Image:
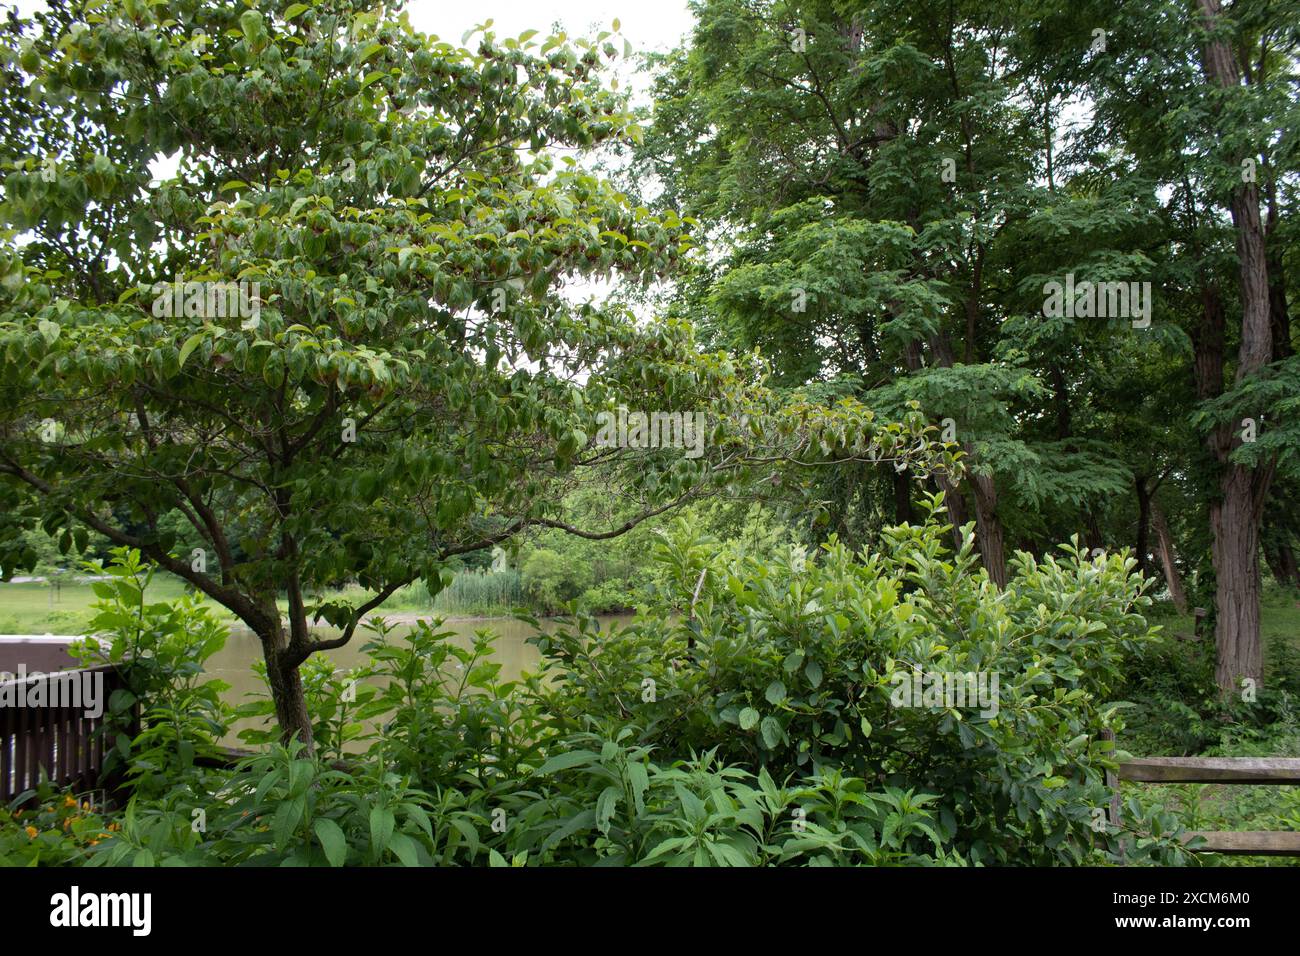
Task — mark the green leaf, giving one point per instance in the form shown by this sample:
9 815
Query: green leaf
640 780
771 731
381 828
295 10
775 692
190 345
332 840
570 826
813 671
567 760
748 718
606 804
250 24
403 848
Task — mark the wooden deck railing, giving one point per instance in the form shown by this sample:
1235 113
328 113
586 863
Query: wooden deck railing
1252 771
61 740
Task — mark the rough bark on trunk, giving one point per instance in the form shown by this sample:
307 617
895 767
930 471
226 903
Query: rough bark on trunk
1168 558
1235 518
1236 569
988 527
285 682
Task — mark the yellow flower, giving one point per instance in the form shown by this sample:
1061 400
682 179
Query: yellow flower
69 801
31 832
86 806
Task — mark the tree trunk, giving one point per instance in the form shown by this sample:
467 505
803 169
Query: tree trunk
902 498
1093 539
286 691
1144 523
955 502
1290 576
1236 569
1235 519
1165 542
952 496
988 525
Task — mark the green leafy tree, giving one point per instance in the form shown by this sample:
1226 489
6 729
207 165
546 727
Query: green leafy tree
341 339
886 218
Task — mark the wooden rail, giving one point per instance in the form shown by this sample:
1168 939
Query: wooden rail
1249 771
56 735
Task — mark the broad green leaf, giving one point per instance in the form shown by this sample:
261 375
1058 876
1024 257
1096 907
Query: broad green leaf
332 840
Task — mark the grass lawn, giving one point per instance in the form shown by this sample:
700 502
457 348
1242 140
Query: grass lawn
39 608
36 608
1279 622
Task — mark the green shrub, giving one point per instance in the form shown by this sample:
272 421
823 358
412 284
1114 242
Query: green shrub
795 666
282 808
56 827
753 719
161 648
335 700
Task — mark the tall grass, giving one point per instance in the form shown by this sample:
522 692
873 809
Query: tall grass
473 593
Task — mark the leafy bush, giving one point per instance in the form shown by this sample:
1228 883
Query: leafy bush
754 719
58 829
794 667
553 580
161 648
283 808
335 701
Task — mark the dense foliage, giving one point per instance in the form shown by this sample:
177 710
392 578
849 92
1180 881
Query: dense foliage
763 727
298 308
